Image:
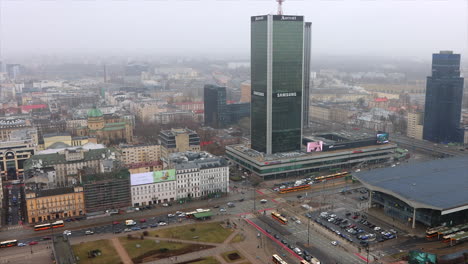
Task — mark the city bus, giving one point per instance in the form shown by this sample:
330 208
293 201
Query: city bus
295 188
277 216
8 243
277 260
331 176
57 224
42 227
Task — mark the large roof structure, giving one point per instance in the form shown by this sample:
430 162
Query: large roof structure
439 184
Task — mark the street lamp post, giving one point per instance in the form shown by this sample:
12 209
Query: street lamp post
308 230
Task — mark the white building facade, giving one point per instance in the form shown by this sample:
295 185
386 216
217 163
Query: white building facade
197 175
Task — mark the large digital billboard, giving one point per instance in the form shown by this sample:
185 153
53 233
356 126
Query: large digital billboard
382 138
152 177
314 146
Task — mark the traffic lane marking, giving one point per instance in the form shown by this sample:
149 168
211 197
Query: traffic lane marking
274 239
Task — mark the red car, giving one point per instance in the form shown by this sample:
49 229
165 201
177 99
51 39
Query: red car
33 243
115 223
355 216
142 220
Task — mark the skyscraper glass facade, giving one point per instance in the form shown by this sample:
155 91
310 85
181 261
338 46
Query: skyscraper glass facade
277 52
444 92
215 106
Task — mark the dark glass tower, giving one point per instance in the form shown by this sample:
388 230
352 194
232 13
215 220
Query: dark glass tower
444 92
277 54
215 106
306 94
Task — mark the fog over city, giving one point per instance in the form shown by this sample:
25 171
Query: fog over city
183 28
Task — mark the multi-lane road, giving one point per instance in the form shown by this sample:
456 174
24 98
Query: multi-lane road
319 244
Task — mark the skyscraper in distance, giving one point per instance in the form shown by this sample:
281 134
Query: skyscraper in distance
277 68
215 106
444 92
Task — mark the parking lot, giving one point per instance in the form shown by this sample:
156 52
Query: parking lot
354 226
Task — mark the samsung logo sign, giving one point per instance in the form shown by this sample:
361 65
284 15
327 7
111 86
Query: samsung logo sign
286 94
288 18
258 93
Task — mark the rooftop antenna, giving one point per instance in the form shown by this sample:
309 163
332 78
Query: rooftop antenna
280 6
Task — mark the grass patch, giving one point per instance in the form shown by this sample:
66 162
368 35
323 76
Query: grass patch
109 255
207 260
235 178
203 232
150 250
237 238
232 256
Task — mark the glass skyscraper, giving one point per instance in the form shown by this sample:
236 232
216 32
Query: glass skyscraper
444 92
215 106
277 68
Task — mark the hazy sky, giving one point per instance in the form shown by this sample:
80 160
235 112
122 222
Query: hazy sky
351 27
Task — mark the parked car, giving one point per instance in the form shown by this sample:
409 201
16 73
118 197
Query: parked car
136 228
32 243
334 243
67 232
222 210
127 230
162 223
143 220
89 232
115 222
153 225
170 215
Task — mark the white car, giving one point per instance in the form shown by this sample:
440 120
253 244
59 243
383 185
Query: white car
89 232
67 232
377 228
331 219
263 200
21 245
222 210
127 230
298 222
334 243
165 205
162 223
170 215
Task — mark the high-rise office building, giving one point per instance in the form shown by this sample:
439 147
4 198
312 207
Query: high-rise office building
215 106
305 96
444 92
277 68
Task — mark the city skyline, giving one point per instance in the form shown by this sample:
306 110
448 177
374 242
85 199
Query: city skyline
390 28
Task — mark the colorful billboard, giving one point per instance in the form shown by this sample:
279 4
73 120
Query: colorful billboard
152 177
382 138
315 146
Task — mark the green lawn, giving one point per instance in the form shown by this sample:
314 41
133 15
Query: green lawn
225 256
109 255
237 238
150 249
147 245
203 232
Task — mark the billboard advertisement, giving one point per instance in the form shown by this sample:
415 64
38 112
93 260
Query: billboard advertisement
152 177
382 138
315 146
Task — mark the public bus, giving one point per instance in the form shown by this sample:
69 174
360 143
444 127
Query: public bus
42 227
277 216
57 224
8 243
192 214
277 260
295 188
331 176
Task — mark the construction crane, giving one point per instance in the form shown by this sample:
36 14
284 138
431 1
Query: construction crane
280 6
